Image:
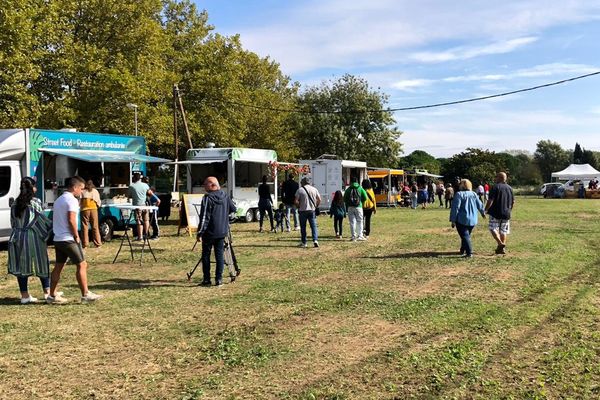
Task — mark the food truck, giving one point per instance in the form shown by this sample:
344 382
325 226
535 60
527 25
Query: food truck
51 156
239 172
387 185
328 175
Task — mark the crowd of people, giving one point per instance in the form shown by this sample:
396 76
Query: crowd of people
358 203
28 255
302 201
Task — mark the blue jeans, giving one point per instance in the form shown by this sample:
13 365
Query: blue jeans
464 231
312 220
207 245
291 209
23 283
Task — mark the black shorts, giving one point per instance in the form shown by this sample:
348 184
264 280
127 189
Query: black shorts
68 250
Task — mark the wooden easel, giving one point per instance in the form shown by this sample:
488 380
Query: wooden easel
188 216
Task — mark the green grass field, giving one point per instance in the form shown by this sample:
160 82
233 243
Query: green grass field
400 316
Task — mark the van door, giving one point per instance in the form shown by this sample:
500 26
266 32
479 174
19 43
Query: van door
319 173
9 190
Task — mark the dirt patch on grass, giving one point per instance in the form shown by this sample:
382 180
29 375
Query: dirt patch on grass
439 280
324 345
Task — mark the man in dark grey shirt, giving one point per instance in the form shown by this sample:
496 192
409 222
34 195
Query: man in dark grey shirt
499 207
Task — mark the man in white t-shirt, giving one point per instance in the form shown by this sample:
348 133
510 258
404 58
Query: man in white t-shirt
308 199
67 243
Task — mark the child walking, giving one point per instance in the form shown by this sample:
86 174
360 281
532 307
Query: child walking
337 211
279 217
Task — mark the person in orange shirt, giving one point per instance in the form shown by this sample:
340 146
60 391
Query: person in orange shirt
90 202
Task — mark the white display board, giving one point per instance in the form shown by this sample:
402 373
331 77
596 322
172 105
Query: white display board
192 203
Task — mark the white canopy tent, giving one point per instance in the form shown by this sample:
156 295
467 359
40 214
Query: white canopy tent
577 171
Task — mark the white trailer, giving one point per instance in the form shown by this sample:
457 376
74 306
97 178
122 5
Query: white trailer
329 175
239 171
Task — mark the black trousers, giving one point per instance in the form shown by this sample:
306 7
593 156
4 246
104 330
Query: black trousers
338 224
265 207
367 221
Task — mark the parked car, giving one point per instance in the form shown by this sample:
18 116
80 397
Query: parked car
547 189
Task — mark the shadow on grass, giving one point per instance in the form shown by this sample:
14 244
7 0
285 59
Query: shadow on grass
10 301
133 284
420 254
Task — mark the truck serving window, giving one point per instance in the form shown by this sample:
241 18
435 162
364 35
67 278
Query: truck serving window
5 177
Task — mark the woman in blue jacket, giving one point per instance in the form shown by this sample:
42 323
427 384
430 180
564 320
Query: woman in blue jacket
463 215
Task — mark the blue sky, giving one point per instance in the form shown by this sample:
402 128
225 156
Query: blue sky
431 51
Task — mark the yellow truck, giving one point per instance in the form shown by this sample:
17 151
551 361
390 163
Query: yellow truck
387 185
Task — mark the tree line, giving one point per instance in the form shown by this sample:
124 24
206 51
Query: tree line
523 167
77 64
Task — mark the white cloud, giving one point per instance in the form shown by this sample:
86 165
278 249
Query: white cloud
410 84
341 34
465 53
545 70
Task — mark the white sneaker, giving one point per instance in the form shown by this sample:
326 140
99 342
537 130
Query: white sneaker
57 293
56 300
352 239
90 297
302 245
316 244
29 300
297 228
288 230
361 238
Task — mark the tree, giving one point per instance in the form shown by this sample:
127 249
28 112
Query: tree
521 168
475 164
229 94
72 63
421 159
578 154
550 157
347 118
589 158
23 28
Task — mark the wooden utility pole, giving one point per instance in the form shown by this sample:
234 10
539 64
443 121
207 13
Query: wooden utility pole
176 140
184 119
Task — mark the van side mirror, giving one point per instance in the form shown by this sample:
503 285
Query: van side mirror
11 201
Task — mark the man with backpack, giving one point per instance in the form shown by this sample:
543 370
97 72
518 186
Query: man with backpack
354 197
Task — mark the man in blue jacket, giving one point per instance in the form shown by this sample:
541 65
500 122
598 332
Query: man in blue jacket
213 227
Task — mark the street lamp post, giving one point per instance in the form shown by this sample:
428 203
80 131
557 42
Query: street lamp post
135 108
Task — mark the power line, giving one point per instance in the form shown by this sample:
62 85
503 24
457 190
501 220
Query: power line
300 111
496 95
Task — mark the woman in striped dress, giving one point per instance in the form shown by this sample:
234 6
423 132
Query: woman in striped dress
27 251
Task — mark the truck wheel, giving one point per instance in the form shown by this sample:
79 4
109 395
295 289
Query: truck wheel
249 216
107 228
